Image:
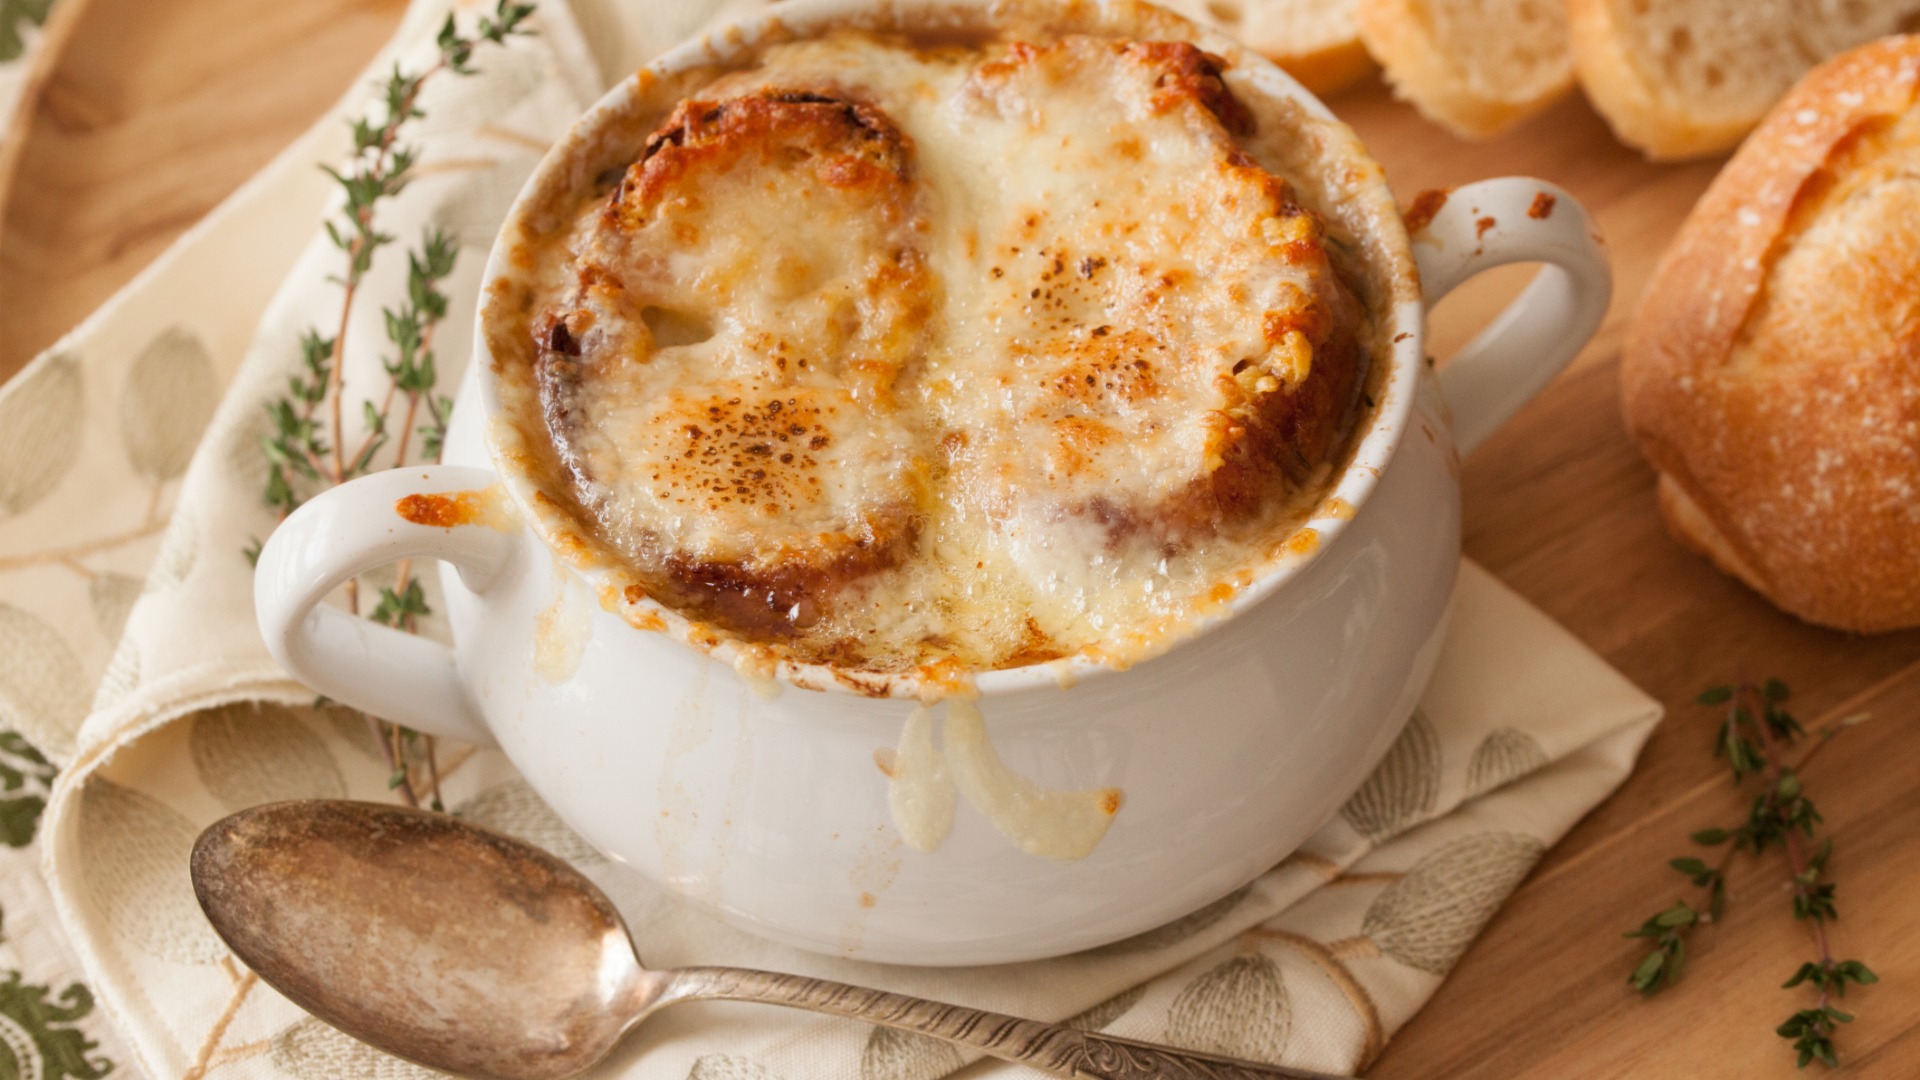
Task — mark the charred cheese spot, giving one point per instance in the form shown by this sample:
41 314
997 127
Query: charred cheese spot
1182 74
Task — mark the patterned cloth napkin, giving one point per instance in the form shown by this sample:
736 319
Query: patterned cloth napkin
50 1025
130 479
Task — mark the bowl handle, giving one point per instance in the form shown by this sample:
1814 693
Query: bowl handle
348 530
1512 220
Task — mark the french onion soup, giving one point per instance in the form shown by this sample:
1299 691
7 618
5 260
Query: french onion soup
901 355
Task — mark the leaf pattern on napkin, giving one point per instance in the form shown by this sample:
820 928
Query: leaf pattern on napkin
39 675
40 430
40 1037
169 396
134 852
36 1039
25 778
1180 929
1429 917
1098 1017
514 809
1506 755
902 1055
729 1067
312 1050
350 727
250 753
1239 1008
1403 787
243 463
179 548
112 596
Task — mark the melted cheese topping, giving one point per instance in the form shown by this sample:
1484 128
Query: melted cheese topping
561 631
885 356
920 792
923 781
1061 825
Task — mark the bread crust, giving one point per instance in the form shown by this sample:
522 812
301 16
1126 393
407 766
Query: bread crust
1424 72
1323 71
1314 40
1631 103
1788 450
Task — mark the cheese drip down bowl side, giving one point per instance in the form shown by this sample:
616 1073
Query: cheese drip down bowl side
1058 806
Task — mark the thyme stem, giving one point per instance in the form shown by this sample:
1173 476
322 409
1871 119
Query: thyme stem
303 451
1796 857
1754 737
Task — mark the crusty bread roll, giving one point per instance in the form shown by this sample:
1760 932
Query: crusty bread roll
1315 40
1772 372
1684 78
1474 66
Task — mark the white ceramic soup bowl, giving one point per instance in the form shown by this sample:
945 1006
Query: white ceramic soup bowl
763 798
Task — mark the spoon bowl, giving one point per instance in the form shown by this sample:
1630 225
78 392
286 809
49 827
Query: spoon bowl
473 953
432 939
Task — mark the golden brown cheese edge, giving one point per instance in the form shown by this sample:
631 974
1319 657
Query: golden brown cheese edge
1322 158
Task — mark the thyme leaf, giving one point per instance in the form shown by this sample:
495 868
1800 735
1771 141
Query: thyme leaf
306 446
1754 736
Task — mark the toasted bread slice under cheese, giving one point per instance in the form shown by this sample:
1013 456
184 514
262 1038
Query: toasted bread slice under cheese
887 354
751 290
1153 375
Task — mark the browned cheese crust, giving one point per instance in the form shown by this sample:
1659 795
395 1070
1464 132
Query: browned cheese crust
752 449
1772 372
1101 384
788 361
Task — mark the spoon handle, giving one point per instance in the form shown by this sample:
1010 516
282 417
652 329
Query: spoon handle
1051 1048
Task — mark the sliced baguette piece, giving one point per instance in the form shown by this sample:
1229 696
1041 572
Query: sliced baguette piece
1315 40
1688 78
1474 66
1772 370
1827 28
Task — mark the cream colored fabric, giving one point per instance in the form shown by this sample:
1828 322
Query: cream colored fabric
129 485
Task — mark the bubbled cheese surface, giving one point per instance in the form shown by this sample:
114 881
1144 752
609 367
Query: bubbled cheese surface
884 355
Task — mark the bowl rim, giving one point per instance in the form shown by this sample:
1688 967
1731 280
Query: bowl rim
1369 455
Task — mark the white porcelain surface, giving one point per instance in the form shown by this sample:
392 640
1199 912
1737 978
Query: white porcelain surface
1230 749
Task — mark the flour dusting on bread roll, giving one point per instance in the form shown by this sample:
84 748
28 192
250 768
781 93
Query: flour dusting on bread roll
1772 373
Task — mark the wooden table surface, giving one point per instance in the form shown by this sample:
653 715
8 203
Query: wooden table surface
153 112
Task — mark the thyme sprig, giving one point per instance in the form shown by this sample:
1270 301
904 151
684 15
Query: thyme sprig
1754 736
306 445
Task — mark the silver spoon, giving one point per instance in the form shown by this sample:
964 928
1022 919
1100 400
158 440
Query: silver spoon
470 952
